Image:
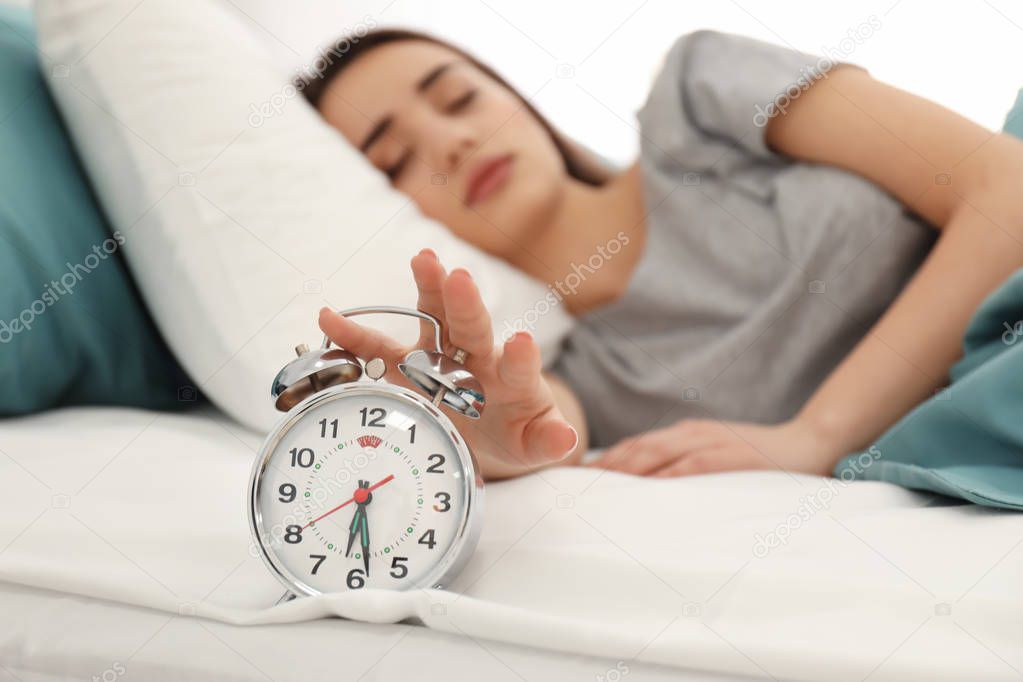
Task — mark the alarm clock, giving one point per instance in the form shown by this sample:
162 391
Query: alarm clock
363 483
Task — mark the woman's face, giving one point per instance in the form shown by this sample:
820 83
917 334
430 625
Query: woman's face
459 143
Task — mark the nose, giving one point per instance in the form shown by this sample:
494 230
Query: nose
459 150
450 143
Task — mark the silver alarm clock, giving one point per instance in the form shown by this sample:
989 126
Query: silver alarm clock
365 483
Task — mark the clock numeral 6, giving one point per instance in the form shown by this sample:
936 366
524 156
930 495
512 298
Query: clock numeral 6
398 567
356 579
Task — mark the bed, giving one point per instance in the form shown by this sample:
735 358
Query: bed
124 545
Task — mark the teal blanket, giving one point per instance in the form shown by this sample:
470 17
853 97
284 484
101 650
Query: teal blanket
967 440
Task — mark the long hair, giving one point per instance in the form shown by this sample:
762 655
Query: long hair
579 163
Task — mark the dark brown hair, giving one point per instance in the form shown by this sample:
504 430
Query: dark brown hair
579 163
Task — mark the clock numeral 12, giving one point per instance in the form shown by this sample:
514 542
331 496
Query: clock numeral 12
377 420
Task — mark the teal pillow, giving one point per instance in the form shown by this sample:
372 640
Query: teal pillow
73 329
1014 119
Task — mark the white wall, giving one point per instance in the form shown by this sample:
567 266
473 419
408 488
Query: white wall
965 55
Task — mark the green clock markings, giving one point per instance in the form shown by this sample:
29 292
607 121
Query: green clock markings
325 460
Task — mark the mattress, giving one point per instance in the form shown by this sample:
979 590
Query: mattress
124 549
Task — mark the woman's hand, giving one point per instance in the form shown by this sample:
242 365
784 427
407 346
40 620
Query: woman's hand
521 427
696 446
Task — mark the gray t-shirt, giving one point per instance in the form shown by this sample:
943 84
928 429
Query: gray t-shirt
759 273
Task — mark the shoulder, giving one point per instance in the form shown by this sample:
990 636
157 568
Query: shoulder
721 88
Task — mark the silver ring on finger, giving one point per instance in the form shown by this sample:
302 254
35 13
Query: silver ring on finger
459 356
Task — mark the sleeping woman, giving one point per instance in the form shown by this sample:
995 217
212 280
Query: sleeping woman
786 269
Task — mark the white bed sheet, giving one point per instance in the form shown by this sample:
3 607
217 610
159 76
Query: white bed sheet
148 510
49 636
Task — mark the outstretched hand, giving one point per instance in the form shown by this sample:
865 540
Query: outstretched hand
701 446
521 426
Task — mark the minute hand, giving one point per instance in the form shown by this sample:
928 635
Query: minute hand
364 535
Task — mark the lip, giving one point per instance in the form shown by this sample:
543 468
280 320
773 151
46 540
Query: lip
487 177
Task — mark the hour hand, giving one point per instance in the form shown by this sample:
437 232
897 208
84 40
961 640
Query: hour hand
354 528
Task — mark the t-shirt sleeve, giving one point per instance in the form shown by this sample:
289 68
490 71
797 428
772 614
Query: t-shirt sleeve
719 90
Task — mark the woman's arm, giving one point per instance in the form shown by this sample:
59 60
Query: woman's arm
962 179
965 181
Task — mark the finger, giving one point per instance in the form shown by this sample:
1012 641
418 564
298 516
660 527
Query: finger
429 275
644 458
659 448
519 366
469 325
690 464
549 438
638 454
615 452
364 342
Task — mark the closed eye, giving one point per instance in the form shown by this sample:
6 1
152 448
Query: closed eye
395 169
461 103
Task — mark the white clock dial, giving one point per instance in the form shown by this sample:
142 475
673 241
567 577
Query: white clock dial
365 486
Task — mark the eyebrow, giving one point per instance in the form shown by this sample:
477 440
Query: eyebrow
422 85
435 73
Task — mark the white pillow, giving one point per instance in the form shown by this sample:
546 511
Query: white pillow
239 227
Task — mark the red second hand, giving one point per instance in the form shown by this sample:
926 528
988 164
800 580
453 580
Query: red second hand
348 501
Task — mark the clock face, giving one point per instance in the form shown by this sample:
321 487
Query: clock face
365 486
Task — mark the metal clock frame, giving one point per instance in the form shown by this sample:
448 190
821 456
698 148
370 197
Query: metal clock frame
469 528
